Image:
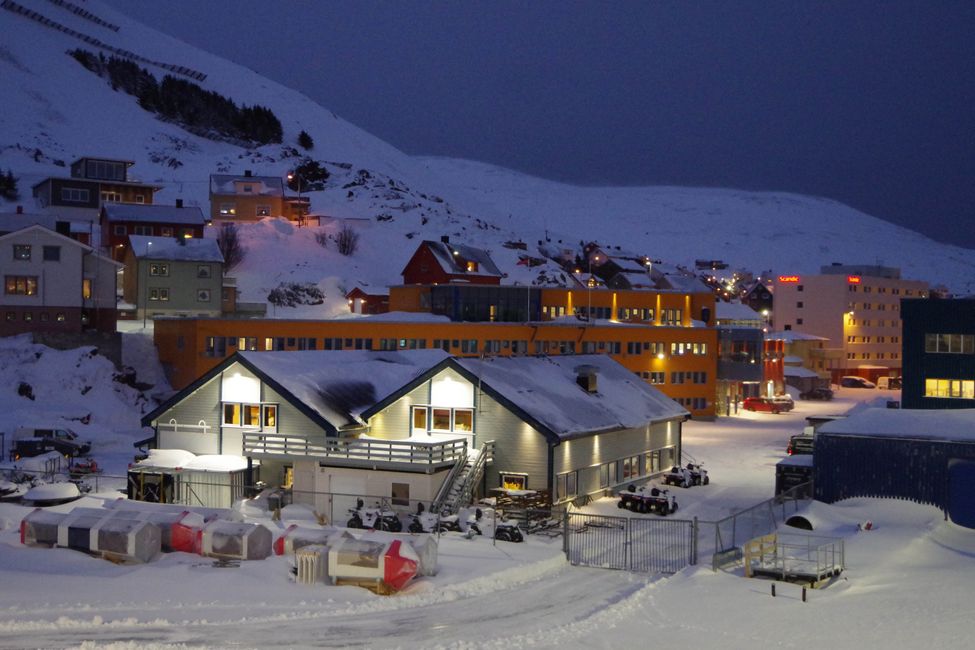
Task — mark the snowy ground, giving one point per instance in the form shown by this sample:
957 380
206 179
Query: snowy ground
906 584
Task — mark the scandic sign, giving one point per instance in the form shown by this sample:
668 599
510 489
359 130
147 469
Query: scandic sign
853 279
788 279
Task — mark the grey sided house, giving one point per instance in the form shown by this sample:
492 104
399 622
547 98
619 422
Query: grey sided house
422 426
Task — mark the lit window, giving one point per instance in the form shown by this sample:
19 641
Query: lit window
463 420
231 414
86 288
20 285
441 419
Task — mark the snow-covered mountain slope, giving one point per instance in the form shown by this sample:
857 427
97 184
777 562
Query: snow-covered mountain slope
55 111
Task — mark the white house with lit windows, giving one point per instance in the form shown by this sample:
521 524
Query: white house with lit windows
410 426
53 283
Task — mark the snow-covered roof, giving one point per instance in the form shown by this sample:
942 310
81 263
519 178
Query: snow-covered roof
444 254
791 335
175 249
791 358
263 185
173 458
735 311
948 425
545 388
154 213
10 222
799 372
339 386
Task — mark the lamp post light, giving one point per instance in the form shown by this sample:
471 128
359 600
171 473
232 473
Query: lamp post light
145 287
301 181
589 284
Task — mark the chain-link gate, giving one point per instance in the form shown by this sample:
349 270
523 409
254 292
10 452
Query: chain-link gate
634 544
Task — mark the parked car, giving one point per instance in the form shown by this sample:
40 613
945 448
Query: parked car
761 404
785 402
34 442
824 394
889 383
853 381
800 444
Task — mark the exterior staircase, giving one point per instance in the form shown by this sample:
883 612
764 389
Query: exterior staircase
462 481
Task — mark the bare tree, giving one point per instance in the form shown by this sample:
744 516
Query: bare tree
347 241
231 248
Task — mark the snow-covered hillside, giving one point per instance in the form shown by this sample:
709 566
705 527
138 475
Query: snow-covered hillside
55 111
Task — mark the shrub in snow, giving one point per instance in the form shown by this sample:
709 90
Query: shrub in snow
305 141
25 390
347 241
292 294
322 238
8 186
233 251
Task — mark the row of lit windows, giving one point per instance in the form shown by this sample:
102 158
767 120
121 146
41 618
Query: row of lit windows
894 290
950 388
28 316
872 355
432 418
251 416
870 339
870 323
216 346
120 230
950 343
230 210
617 471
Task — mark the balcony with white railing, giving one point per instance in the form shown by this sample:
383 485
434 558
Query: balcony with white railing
426 454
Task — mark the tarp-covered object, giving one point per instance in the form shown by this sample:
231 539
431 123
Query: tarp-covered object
40 528
233 540
393 563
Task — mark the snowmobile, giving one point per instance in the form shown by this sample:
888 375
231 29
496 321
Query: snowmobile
427 522
375 518
505 530
647 499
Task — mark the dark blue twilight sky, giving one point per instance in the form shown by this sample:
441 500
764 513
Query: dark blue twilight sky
869 103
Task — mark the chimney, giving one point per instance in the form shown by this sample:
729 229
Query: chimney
586 378
179 203
62 228
247 173
445 239
20 209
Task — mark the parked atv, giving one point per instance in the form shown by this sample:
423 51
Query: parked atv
685 477
374 518
647 499
491 525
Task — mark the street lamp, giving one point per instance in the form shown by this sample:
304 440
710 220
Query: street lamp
145 287
301 181
589 284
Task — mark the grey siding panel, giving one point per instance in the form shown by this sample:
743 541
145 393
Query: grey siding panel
203 405
393 422
519 448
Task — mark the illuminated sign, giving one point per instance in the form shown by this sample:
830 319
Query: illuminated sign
853 279
788 279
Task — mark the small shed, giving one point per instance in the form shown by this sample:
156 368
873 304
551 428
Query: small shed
925 456
180 477
793 471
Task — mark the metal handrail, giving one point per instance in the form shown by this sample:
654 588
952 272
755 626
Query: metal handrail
466 492
438 501
359 449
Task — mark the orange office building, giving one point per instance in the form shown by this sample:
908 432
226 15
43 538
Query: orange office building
667 338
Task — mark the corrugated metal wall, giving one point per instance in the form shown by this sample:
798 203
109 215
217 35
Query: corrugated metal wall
863 466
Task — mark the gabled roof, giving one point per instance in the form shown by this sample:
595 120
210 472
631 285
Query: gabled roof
790 336
331 388
9 222
453 257
96 181
543 392
546 390
194 249
735 311
58 236
154 213
227 184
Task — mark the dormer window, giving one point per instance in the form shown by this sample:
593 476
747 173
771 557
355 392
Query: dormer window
471 267
248 189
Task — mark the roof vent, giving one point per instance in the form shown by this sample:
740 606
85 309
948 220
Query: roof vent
179 203
247 173
445 239
20 209
586 377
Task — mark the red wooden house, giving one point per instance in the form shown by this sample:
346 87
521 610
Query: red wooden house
442 263
119 220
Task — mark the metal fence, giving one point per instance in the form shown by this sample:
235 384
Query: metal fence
760 519
633 544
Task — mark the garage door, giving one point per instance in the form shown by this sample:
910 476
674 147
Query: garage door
961 492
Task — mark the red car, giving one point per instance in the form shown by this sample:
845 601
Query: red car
761 404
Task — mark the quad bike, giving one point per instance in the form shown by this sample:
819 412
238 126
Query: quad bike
647 499
375 518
